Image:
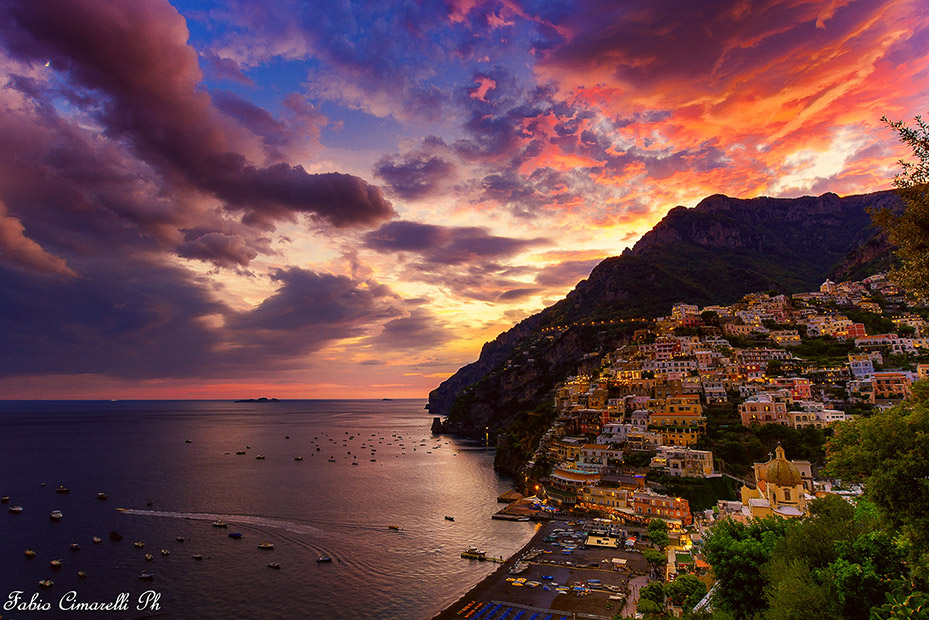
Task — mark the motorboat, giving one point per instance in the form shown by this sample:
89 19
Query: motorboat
82 574
46 583
30 553
4 499
197 556
396 528
75 547
323 558
149 557
448 518
236 535
220 524
16 509
179 539
298 458
101 495
62 489
266 545
97 539
473 553
55 515
260 457
274 565
165 552
146 576
138 544
56 563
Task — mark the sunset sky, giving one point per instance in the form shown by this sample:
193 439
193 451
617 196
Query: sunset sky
331 199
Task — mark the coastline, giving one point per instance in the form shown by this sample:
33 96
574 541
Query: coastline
484 586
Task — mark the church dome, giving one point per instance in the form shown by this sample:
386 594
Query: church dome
781 472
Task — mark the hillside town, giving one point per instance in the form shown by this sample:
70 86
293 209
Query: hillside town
635 429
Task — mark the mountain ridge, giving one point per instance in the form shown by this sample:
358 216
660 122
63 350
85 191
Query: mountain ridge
713 253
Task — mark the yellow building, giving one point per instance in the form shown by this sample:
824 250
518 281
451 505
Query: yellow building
679 419
779 489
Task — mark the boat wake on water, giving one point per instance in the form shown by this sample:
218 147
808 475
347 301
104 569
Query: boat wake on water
255 521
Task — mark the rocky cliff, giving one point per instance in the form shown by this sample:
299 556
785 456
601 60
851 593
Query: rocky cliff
713 253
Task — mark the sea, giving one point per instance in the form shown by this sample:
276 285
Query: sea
170 469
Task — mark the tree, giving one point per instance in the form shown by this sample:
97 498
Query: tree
685 591
909 230
889 454
654 557
738 553
653 591
658 533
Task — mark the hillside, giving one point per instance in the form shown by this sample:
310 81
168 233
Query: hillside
713 253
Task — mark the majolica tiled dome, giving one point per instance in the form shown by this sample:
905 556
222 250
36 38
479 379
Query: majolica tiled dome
782 472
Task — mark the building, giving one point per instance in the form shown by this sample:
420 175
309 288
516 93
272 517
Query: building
764 408
891 385
678 419
649 504
684 462
598 457
779 491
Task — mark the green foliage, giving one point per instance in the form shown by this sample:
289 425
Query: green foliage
824 350
738 552
653 591
658 532
700 493
909 231
654 557
889 453
685 591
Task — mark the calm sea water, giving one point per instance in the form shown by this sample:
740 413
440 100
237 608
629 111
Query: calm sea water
138 451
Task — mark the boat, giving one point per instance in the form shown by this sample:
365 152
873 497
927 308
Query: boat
394 527
274 565
323 558
188 441
298 458
97 539
220 524
82 574
165 552
197 556
138 544
55 515
259 458
149 557
146 576
101 495
62 489
16 509
331 460
46 583
266 545
116 536
75 547
149 503
240 452
473 553
56 563
179 539
30 553
4 499
448 518
236 535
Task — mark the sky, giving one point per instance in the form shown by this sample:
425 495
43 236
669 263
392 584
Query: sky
226 199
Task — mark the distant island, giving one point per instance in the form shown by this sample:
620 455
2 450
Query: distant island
256 400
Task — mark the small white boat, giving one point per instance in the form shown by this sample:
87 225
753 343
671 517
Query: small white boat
149 557
274 565
323 559
165 552
97 539
197 556
30 553
16 509
146 576
138 544
75 547
55 515
56 563
220 524
101 495
266 545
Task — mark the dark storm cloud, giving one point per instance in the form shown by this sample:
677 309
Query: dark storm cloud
421 330
220 249
445 245
308 310
415 175
135 56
